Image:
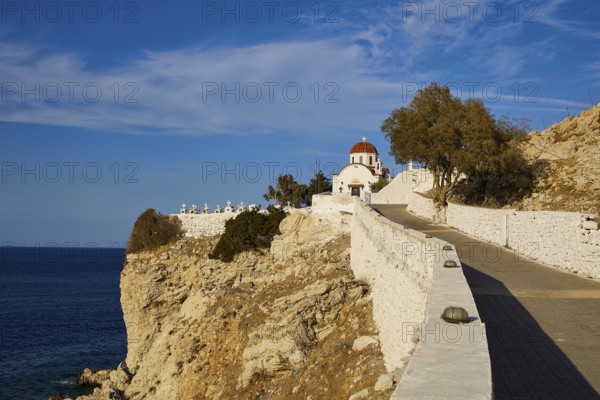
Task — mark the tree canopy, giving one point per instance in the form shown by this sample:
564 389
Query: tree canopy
297 194
453 139
288 190
319 184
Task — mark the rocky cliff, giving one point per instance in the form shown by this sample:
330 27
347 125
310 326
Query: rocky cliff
289 323
568 154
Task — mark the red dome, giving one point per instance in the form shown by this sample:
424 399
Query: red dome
363 147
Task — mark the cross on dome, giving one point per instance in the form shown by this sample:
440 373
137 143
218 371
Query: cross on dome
363 147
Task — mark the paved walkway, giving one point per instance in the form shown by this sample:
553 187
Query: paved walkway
543 325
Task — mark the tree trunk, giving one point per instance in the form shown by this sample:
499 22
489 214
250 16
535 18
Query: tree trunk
440 199
440 214
440 206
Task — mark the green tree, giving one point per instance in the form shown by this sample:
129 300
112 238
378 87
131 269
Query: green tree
452 139
288 190
319 184
493 165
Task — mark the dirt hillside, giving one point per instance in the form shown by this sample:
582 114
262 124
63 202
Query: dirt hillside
569 153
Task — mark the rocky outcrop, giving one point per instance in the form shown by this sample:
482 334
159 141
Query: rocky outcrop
567 155
278 324
108 384
92 378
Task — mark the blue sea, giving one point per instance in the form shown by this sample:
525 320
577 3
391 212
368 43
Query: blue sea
59 313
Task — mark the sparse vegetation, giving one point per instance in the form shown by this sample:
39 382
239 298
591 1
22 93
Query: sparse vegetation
250 230
152 230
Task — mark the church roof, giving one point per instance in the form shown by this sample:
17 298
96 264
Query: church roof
363 147
384 171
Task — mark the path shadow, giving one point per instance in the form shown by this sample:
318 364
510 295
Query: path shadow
526 363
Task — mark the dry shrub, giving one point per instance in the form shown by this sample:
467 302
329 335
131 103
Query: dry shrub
251 230
152 230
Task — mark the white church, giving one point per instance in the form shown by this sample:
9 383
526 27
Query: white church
364 169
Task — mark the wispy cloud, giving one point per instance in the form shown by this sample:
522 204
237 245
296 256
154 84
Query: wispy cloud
344 78
417 32
550 12
562 102
271 88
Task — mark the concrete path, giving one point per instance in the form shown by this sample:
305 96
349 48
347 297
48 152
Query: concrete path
543 325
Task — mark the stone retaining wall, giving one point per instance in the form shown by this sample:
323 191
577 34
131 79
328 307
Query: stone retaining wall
384 255
566 240
410 289
397 191
486 223
451 361
204 225
324 204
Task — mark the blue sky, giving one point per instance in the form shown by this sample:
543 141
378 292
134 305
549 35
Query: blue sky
108 108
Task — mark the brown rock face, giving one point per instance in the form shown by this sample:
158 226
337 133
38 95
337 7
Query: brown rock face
92 377
569 153
273 325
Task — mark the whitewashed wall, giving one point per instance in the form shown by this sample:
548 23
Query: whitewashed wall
410 289
397 191
566 240
559 239
485 223
331 203
384 255
204 225
423 180
421 206
400 188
